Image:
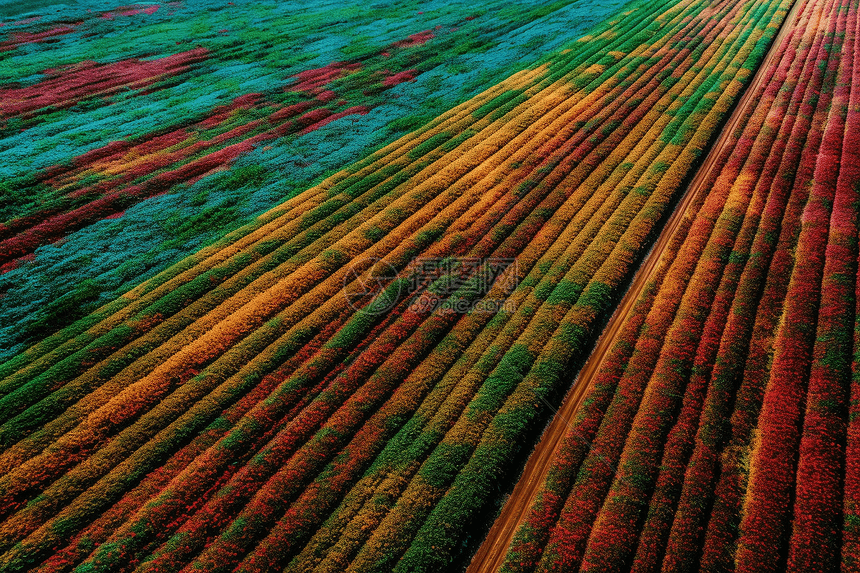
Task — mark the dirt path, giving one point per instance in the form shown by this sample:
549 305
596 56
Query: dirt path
491 553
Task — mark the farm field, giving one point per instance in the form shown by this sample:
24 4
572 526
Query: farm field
720 429
298 288
148 131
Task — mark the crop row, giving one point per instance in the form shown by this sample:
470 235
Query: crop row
717 433
128 142
239 412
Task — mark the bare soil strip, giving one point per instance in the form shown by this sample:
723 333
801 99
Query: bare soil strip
491 553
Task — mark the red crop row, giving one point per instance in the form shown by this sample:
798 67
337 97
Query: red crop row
702 398
817 521
774 461
263 419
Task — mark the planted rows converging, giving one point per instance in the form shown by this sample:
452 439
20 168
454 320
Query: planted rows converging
720 432
130 138
243 410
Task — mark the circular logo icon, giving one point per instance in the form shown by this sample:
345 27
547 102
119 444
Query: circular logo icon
370 286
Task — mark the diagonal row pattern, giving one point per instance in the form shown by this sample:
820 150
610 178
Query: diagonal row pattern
717 434
239 412
130 138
